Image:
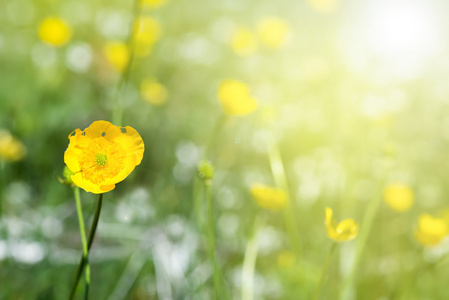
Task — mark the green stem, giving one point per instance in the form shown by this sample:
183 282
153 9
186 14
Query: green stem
117 114
83 239
366 225
277 168
212 249
323 273
83 260
249 262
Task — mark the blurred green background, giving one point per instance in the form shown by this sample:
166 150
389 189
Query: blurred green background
354 94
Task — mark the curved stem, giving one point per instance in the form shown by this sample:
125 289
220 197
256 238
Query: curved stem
323 273
278 170
249 262
84 261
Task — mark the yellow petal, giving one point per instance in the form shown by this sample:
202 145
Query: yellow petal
399 197
347 230
331 224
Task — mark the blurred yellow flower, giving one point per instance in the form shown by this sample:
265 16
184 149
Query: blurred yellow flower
153 92
273 31
286 259
324 6
431 230
153 4
11 149
243 42
55 31
117 54
344 231
269 198
399 197
103 155
235 98
147 32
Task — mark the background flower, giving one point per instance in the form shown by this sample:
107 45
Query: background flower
430 230
344 231
55 31
399 197
235 98
268 197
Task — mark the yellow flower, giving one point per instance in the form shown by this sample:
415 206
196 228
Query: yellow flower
153 92
269 198
323 6
117 54
235 98
273 31
243 42
344 231
103 155
147 32
153 4
55 31
11 149
430 230
399 197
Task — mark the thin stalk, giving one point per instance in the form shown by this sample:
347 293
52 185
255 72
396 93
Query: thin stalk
83 261
249 262
323 273
83 240
211 240
366 225
117 114
277 168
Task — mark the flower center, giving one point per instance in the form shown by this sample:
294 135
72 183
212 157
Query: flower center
101 159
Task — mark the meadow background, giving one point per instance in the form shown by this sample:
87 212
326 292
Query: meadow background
353 97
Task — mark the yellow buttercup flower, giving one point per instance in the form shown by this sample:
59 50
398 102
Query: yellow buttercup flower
103 155
147 32
55 31
399 197
235 98
344 231
324 6
11 149
273 32
153 4
268 197
117 54
431 230
153 92
243 42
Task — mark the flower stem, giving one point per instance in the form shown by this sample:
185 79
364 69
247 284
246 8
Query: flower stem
213 259
249 262
83 240
277 168
84 260
323 273
368 220
117 114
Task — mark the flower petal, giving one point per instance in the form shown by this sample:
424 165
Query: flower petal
132 143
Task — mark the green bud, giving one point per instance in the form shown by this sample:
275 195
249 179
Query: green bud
205 171
66 176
